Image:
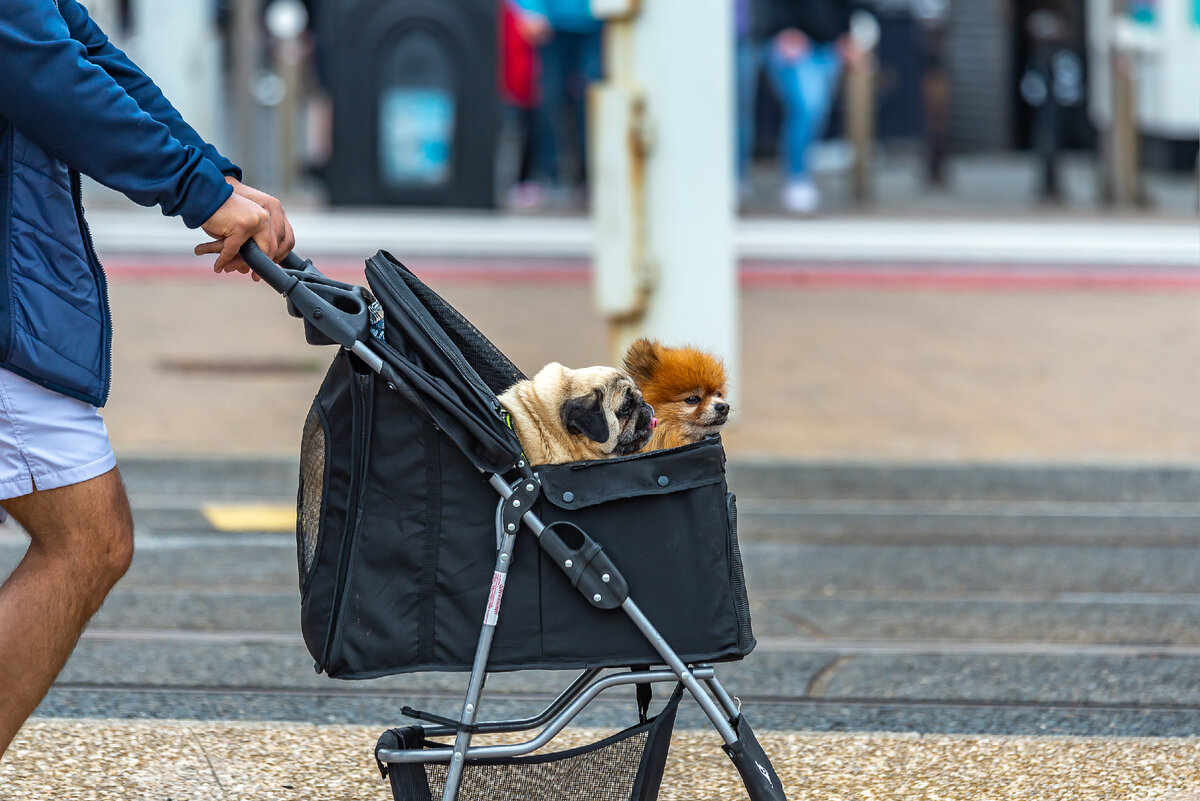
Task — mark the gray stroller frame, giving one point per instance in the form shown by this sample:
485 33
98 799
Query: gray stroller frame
336 313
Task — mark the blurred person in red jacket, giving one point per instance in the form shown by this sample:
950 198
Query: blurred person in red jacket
567 37
519 69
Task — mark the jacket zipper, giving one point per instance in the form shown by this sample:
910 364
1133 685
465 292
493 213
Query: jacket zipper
101 280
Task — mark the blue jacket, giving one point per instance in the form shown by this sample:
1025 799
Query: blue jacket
72 103
572 16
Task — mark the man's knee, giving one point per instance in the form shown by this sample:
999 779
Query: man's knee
116 541
107 528
89 524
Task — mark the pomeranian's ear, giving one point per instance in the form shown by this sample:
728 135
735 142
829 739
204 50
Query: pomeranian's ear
641 360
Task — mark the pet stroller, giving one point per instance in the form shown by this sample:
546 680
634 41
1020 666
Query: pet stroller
406 556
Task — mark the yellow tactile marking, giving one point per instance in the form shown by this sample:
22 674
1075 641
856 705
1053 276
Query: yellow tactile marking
73 760
250 517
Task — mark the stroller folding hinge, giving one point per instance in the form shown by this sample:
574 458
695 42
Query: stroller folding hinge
524 494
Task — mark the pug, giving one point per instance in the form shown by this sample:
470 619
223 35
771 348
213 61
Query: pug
564 415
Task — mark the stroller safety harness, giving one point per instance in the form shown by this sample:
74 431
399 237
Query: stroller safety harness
407 557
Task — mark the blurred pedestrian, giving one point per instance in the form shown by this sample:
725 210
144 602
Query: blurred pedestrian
933 23
802 45
1052 82
568 40
72 103
519 90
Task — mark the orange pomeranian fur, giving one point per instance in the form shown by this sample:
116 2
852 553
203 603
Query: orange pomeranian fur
686 387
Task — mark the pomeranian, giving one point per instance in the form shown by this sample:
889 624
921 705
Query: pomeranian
686 387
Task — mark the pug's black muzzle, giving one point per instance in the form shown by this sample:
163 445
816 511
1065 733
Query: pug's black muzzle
636 432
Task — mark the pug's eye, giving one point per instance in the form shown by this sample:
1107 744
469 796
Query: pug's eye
626 408
693 399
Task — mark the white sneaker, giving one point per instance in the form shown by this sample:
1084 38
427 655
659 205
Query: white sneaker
525 196
801 197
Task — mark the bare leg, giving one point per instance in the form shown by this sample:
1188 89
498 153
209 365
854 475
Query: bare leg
81 544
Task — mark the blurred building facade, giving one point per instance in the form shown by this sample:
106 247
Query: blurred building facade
986 47
951 69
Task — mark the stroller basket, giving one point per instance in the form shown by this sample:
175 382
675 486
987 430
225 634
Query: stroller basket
628 766
406 557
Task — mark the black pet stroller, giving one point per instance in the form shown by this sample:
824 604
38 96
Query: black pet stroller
404 554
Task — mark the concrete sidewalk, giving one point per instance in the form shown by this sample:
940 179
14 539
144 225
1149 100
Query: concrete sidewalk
161 761
1030 239
215 366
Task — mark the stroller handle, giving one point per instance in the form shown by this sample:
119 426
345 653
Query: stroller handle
275 276
334 313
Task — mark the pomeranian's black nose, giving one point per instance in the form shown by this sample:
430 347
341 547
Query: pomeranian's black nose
721 408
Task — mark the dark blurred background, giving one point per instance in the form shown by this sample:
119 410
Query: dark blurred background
437 102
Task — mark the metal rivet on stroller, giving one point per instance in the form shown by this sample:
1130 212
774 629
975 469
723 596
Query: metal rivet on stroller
406 558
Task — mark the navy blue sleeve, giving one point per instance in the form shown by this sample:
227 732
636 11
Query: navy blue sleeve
78 113
139 86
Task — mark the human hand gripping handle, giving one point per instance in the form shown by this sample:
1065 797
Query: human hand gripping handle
246 215
282 237
236 221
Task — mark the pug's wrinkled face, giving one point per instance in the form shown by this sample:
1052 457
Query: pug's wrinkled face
604 405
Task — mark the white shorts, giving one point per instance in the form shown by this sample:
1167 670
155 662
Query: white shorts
47 440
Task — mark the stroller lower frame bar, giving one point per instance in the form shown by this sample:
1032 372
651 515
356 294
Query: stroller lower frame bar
555 718
335 313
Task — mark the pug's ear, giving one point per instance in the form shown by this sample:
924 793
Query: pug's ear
585 415
641 360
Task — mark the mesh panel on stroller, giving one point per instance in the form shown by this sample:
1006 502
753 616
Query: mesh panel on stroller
627 766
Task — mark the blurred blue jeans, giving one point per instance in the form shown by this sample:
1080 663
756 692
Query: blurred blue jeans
805 88
569 62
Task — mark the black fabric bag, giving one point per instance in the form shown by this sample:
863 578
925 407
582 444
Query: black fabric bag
396 527
397 545
627 766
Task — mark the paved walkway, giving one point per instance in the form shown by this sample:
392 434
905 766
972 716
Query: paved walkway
78 760
1030 240
908 373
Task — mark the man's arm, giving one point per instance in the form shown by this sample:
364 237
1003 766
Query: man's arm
138 85
76 112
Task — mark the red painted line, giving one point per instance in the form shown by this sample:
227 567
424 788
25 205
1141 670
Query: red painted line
751 275
1057 279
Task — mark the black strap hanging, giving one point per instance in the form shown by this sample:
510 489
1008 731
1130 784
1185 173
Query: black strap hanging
645 694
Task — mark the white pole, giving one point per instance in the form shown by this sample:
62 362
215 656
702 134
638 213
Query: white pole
176 44
676 56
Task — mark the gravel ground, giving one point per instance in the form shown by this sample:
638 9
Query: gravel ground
82 760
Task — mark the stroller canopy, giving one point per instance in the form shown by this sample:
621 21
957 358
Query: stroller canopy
444 366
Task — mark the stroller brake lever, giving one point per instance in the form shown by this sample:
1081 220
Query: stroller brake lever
333 312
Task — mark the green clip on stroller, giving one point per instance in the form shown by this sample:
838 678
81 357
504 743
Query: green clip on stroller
408 561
